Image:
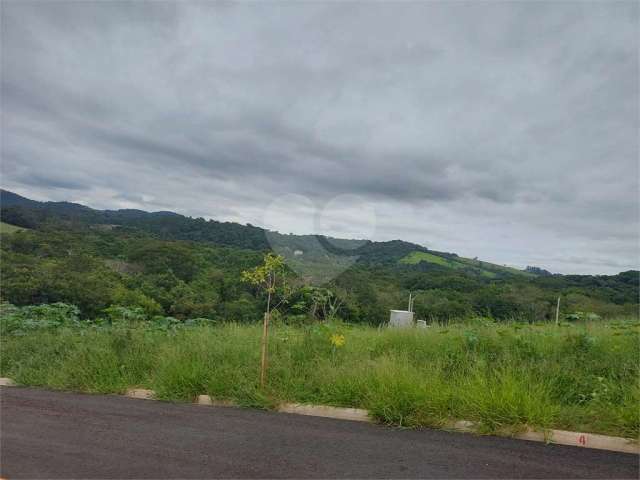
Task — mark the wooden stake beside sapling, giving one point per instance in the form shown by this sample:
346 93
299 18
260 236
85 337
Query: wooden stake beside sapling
270 277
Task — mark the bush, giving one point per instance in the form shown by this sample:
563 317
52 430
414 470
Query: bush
20 320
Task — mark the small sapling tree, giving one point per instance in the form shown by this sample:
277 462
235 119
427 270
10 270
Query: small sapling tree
270 278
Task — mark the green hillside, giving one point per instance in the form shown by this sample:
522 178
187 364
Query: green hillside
486 269
494 268
8 228
417 257
169 264
317 256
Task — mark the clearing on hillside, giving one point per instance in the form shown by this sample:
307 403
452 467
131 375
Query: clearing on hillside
8 228
486 269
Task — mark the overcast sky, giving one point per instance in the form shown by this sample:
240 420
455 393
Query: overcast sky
507 131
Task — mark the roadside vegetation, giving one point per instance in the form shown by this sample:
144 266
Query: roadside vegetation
100 301
578 376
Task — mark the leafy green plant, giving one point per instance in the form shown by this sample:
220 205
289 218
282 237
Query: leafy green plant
20 320
124 316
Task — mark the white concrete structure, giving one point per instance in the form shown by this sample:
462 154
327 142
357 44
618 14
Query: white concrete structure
140 393
401 318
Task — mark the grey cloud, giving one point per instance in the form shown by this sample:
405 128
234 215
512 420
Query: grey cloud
51 180
517 120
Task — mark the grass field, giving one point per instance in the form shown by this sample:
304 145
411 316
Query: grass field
8 228
489 270
504 376
417 257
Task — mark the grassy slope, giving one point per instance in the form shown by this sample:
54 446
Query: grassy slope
505 376
492 267
487 269
417 257
8 228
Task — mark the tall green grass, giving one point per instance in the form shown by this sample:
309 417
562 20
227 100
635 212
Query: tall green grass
505 377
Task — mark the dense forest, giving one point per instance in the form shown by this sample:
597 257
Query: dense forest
165 264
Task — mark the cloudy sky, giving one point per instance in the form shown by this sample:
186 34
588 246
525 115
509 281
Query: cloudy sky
507 131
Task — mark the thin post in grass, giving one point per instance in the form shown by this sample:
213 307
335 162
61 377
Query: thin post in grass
558 311
269 277
263 355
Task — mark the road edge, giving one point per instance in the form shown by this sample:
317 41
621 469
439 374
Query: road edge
556 437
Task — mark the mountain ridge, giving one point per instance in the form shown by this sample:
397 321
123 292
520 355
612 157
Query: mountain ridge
190 268
25 212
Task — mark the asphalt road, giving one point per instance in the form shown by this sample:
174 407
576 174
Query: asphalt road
47 434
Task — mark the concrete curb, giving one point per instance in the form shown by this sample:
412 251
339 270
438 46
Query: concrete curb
461 426
142 393
586 440
561 437
353 414
558 437
207 400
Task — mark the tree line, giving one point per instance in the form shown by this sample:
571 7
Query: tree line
96 268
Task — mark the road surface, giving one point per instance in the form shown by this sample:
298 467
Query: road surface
47 434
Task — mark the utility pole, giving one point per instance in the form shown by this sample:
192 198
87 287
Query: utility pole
412 300
558 311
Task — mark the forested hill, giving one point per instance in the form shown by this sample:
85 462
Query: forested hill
169 264
24 212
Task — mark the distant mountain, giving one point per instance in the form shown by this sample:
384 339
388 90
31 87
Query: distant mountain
304 249
10 199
